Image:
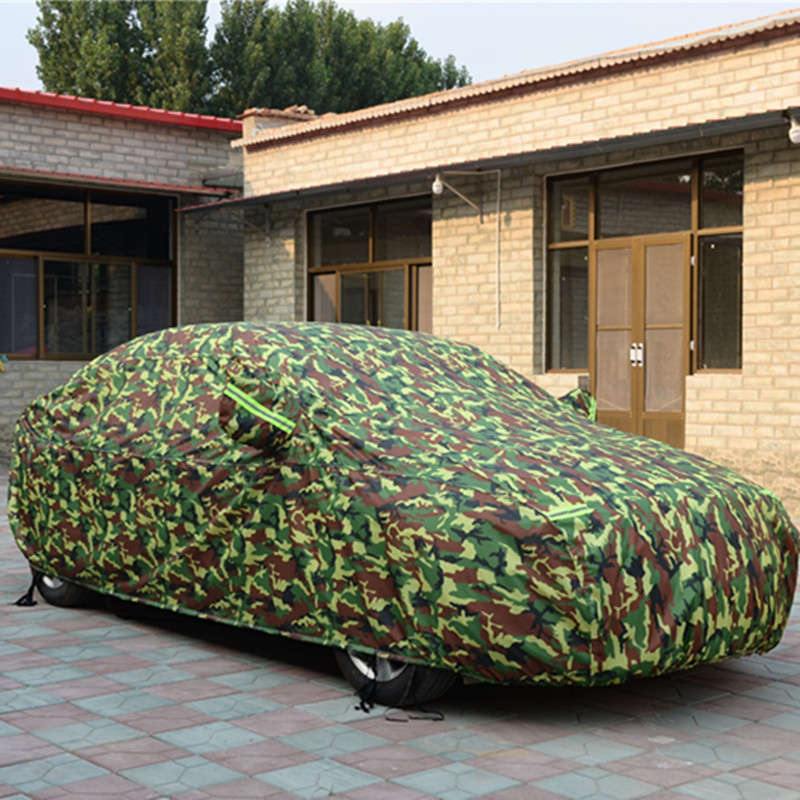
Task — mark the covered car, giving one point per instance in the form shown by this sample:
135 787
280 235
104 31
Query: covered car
405 499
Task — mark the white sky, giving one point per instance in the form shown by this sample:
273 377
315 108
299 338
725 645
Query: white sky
491 38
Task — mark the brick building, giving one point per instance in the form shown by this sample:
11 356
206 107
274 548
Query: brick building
93 249
630 220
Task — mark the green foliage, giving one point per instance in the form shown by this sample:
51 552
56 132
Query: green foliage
92 48
178 71
153 52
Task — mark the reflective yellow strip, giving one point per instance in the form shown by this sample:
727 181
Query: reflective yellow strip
255 408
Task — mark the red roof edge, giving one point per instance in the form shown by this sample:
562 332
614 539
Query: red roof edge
119 110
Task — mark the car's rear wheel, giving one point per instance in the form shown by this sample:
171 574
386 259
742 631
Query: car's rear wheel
393 683
61 593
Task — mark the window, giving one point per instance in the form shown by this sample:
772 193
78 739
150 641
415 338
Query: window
81 271
655 198
370 265
568 301
720 302
701 196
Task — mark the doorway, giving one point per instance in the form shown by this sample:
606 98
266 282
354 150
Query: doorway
639 313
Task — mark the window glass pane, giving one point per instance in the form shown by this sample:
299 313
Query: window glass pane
154 298
663 365
373 298
664 266
340 236
722 180
569 209
614 286
403 229
655 198
42 218
613 383
136 227
111 305
324 297
18 306
65 286
568 282
720 302
425 299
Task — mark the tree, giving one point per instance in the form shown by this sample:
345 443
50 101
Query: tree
241 73
177 67
153 52
150 52
319 55
90 48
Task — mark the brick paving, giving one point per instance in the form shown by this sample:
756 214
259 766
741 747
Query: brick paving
97 704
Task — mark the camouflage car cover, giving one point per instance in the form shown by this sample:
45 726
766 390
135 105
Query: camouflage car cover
394 493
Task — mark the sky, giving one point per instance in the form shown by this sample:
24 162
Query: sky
491 39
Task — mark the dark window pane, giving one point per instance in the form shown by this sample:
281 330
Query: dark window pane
340 236
111 305
720 302
655 198
18 306
569 209
131 226
154 298
42 218
722 180
568 318
403 229
65 287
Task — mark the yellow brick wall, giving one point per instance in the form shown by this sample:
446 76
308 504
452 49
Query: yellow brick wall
751 420
748 419
714 86
465 273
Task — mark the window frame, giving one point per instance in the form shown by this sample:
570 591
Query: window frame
696 232
89 260
411 265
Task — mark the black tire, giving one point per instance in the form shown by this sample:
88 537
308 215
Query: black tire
61 593
393 683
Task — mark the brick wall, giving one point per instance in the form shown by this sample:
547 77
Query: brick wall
751 420
209 244
22 382
465 274
34 137
650 97
210 267
748 419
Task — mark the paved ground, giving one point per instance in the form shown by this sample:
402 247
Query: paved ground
95 706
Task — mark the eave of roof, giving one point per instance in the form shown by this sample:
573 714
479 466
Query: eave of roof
94 181
781 24
106 108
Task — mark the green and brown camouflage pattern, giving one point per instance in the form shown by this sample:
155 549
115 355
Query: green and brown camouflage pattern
416 498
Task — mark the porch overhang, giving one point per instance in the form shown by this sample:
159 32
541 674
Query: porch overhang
751 122
79 181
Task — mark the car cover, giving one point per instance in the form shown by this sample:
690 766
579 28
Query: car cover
394 493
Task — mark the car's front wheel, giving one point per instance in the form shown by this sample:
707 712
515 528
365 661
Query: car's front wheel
391 682
61 593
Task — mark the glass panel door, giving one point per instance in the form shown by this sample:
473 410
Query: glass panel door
612 289
639 360
666 352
